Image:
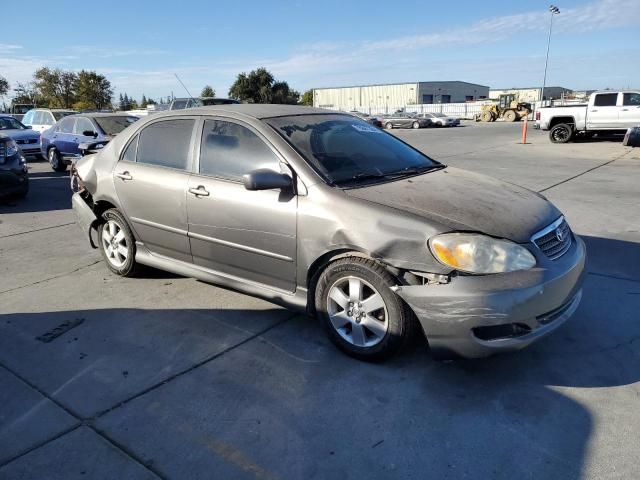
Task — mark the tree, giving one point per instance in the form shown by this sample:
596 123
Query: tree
93 89
207 91
4 86
121 104
259 86
307 98
26 93
55 88
143 102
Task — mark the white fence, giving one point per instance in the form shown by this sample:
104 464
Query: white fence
460 110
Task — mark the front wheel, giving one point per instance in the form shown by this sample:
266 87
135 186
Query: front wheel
117 243
561 133
388 125
55 160
363 316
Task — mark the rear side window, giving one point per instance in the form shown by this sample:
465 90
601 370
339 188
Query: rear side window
166 143
631 99
130 152
230 150
606 100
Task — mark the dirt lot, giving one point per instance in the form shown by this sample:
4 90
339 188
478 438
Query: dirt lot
168 377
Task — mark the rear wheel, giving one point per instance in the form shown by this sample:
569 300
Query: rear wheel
363 316
510 116
117 243
55 160
416 125
561 133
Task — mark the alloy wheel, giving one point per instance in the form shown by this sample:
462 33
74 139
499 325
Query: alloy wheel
114 244
357 312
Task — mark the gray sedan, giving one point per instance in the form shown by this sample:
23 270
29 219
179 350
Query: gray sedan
321 211
403 120
440 119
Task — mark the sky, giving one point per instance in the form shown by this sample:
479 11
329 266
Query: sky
140 44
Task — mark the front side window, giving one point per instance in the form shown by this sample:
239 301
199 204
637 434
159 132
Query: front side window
346 150
606 100
47 118
82 125
230 150
166 143
631 99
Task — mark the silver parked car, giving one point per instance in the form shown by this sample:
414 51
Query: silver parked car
402 120
440 119
322 211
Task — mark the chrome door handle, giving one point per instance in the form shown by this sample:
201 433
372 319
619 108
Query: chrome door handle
124 176
625 109
200 191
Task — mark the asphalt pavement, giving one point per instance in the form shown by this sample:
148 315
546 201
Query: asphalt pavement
167 377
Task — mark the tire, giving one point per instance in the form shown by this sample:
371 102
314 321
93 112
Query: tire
388 125
486 116
55 160
510 116
24 191
561 133
381 331
416 125
117 244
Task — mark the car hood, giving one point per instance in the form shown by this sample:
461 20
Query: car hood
466 201
16 134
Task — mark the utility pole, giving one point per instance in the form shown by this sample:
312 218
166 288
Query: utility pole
554 11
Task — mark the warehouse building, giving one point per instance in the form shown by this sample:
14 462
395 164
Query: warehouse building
397 95
531 94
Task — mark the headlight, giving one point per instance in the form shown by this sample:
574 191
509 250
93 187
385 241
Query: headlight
12 148
476 253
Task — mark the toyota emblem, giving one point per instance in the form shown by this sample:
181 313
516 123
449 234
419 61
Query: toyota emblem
559 234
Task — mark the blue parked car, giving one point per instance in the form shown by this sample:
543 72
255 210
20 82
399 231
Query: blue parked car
27 140
62 142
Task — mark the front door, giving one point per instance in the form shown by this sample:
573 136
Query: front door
603 114
151 182
245 234
629 115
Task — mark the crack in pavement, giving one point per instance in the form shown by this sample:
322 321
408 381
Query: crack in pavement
51 278
585 172
89 422
37 230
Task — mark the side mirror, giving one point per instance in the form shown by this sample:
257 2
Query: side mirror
90 133
265 179
28 127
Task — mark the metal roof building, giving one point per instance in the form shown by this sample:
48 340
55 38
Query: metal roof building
397 95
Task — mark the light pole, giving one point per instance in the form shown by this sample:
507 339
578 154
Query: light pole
554 11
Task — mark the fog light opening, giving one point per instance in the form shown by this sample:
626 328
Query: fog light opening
497 332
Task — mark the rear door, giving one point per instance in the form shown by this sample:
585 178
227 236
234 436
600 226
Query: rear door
603 114
240 233
151 182
629 115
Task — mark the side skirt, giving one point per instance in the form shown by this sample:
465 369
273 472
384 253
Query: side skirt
294 300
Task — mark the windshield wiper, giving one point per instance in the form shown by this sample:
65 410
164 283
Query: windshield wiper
415 170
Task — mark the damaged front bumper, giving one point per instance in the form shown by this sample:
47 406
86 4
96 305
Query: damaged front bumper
85 218
475 316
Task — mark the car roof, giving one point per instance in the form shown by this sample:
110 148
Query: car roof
255 110
102 115
55 109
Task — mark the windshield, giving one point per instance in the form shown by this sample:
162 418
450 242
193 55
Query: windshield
59 115
346 150
10 123
114 125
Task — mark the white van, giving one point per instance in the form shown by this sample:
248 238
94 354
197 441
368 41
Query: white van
41 119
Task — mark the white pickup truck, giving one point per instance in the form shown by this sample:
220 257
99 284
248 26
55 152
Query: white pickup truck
607 111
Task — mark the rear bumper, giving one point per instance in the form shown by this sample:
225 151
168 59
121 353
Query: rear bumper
85 218
476 316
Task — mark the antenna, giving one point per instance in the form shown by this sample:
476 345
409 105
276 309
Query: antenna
183 86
